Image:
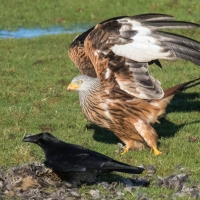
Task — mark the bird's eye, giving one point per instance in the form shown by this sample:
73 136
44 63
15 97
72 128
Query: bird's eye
79 82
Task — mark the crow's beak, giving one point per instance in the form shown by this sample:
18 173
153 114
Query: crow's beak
72 86
29 138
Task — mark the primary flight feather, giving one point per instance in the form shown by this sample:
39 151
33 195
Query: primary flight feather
116 90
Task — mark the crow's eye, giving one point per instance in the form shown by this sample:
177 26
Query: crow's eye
79 82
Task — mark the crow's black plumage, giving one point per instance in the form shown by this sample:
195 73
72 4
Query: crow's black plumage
76 162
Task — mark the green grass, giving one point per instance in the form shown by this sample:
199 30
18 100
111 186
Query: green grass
21 13
35 74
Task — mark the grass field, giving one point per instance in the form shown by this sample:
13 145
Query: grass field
35 74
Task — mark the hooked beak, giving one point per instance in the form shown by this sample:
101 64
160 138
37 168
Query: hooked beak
71 86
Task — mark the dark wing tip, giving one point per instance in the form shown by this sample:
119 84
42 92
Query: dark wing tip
171 24
131 170
152 16
157 62
138 170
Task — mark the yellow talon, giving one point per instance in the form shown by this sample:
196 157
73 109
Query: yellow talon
124 151
156 152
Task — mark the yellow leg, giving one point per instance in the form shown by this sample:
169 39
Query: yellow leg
156 152
125 150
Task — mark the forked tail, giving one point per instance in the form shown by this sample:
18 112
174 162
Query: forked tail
170 92
181 87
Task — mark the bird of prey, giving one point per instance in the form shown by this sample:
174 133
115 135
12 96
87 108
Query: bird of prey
116 90
75 162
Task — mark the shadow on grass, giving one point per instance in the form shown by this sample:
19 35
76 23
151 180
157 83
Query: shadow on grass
168 129
182 102
103 135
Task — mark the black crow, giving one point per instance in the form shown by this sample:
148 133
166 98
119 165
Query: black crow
76 162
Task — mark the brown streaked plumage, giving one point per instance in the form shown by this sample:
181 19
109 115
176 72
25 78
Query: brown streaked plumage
116 91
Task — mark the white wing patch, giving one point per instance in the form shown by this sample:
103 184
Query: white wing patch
135 50
137 26
142 42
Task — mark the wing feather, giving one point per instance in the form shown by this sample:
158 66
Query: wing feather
150 44
151 17
119 50
78 55
139 84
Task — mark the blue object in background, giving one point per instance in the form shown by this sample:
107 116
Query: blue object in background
30 33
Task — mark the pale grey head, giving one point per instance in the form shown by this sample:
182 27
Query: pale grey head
83 83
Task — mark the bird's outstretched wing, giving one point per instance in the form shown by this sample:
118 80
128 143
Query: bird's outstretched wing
120 50
78 55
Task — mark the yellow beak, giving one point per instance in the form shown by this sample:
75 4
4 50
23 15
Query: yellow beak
72 87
